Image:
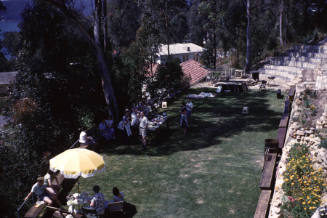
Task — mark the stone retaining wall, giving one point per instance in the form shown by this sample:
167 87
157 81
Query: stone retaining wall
304 134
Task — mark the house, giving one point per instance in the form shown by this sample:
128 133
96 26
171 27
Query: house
182 51
5 79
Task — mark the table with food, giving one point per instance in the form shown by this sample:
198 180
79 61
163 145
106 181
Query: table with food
157 121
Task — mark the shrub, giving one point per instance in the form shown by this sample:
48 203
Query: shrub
302 184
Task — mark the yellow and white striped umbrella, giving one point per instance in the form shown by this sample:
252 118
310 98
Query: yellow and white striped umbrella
76 162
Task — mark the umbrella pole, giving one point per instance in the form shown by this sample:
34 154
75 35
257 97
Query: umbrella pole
78 184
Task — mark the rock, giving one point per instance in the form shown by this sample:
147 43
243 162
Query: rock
300 133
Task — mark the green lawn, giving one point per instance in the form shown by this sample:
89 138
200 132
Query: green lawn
213 171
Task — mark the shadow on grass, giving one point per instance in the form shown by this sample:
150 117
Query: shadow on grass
212 119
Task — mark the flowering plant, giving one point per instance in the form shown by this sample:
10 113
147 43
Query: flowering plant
73 199
323 211
302 183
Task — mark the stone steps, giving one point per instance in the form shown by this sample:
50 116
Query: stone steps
298 62
286 68
283 69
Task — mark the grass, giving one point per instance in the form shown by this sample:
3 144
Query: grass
213 171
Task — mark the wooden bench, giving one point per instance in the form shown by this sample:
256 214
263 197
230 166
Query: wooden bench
36 210
271 145
262 210
287 108
266 181
66 186
115 210
284 122
281 136
291 93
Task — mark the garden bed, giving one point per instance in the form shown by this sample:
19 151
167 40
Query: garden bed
301 173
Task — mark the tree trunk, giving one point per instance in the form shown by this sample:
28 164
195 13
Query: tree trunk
281 11
98 20
214 50
248 39
105 74
107 87
167 29
105 25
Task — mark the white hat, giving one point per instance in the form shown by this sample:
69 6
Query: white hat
82 137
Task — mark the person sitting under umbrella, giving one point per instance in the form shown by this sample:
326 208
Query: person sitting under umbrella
98 201
40 190
118 196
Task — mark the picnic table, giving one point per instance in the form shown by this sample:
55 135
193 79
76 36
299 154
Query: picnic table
156 126
156 122
232 86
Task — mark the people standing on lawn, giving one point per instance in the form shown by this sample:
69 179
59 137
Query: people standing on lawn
143 128
189 108
127 124
183 106
106 129
134 121
183 122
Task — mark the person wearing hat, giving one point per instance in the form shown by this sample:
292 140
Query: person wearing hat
85 141
40 190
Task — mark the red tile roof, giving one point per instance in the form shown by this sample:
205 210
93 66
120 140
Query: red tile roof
194 71
191 68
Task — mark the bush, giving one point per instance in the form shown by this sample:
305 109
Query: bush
302 184
169 76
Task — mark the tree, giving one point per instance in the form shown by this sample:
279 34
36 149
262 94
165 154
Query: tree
281 12
124 20
12 42
57 93
212 15
248 37
168 77
169 17
3 61
95 41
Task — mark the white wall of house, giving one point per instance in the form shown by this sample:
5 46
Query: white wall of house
182 57
182 51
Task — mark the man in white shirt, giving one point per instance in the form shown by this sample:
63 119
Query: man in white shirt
143 127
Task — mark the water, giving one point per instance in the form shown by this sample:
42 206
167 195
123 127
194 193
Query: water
8 26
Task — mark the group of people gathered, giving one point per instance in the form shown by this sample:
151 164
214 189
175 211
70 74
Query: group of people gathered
133 122
45 191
